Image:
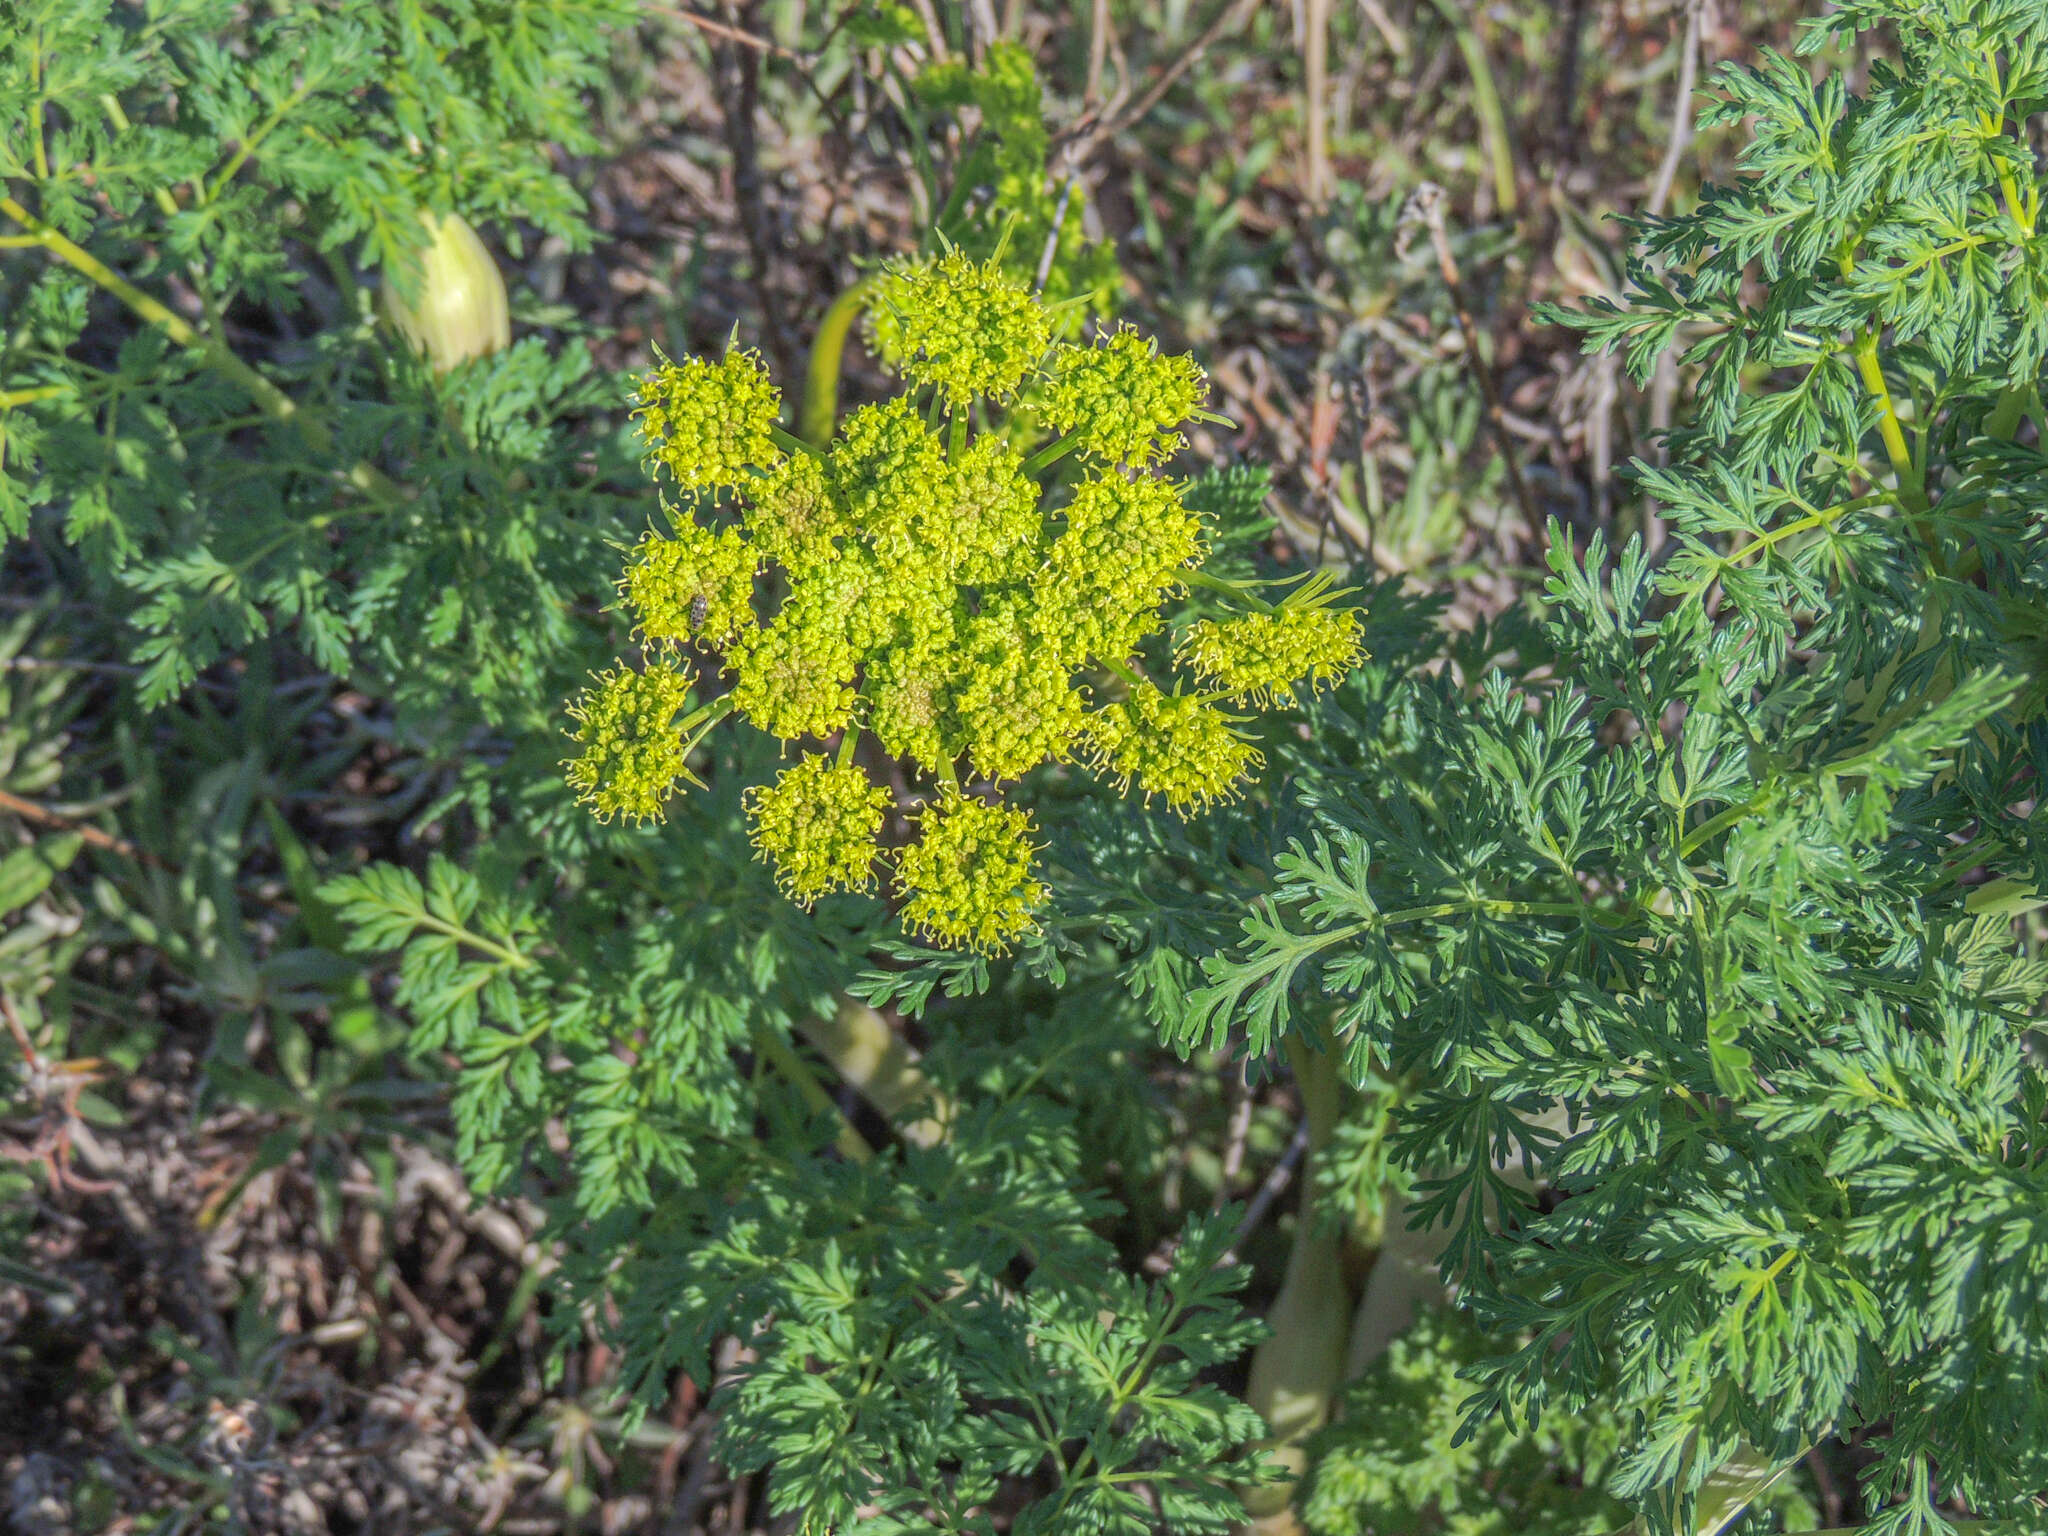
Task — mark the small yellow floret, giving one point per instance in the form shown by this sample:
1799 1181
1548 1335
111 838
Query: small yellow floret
1265 656
1017 705
888 471
966 328
1175 745
698 585
795 678
795 514
1124 544
709 424
1123 398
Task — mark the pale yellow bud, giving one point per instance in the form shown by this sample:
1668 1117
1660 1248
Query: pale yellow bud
460 312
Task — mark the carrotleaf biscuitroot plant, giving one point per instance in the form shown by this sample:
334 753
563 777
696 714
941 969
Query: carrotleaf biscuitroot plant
927 585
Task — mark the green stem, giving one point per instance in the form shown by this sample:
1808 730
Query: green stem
10 398
1912 488
1201 578
861 1047
821 373
2004 420
1052 453
274 402
1297 1371
1493 123
798 1074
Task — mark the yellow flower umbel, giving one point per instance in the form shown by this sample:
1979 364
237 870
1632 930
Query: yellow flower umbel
1262 656
1181 746
710 424
928 589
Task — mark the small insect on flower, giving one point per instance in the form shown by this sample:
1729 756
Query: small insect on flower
700 609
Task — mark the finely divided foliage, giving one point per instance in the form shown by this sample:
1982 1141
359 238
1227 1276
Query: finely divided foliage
245 159
1726 867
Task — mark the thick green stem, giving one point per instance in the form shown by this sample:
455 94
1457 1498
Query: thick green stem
828 350
882 1068
1869 367
776 1051
1297 1372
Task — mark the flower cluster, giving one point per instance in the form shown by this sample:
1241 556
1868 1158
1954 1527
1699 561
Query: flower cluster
925 584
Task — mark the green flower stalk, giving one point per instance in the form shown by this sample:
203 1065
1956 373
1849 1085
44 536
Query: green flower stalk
927 584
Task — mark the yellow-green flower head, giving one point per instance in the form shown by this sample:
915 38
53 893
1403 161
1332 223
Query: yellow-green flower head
708 424
698 585
966 328
1123 397
987 527
967 881
818 826
1264 656
888 469
910 709
1124 542
1017 706
796 513
1174 745
795 678
632 755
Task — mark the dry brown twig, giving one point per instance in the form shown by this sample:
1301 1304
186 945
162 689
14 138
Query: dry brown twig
42 815
52 1085
1315 61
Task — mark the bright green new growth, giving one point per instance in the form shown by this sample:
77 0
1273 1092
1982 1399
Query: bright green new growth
924 582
